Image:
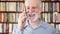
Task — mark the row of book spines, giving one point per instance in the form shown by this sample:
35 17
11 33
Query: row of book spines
50 0
47 17
11 6
51 17
9 17
50 6
7 28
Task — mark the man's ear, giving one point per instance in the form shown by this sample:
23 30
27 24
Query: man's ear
40 9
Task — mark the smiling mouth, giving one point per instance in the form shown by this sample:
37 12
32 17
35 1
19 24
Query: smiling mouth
31 15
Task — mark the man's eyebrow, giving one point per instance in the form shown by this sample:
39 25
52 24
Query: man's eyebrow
34 7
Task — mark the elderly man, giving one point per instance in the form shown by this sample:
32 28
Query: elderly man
30 22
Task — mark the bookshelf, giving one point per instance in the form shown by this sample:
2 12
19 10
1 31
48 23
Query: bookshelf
51 13
9 11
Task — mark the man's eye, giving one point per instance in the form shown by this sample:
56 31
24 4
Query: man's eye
28 8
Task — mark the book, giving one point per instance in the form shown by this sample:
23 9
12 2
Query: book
10 32
4 26
43 5
48 17
58 28
20 7
17 16
1 28
11 6
7 6
51 17
58 17
46 6
0 17
2 6
11 17
10 28
7 28
53 6
4 17
14 17
50 7
55 17
43 16
57 6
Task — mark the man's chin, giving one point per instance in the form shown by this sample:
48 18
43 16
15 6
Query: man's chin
32 20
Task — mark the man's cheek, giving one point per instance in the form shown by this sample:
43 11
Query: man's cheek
36 11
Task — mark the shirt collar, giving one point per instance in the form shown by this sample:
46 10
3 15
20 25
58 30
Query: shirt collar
41 24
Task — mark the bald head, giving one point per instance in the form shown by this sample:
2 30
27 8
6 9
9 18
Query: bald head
32 2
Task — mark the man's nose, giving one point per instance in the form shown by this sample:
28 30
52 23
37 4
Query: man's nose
31 11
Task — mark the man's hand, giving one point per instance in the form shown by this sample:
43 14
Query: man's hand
22 20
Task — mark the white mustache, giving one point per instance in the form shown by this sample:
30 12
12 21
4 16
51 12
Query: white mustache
33 14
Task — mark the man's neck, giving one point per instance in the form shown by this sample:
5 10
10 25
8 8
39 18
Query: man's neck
34 24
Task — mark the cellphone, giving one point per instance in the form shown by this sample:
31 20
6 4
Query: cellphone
27 14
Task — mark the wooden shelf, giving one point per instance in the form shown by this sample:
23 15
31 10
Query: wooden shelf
17 22
4 33
50 11
50 1
10 22
53 22
21 12
57 22
12 1
59 12
47 12
10 12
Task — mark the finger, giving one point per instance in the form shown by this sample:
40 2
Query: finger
23 21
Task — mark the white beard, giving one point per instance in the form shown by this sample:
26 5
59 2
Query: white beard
37 16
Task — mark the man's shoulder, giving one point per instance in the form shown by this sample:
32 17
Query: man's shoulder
47 26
